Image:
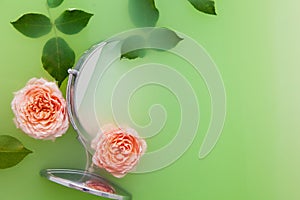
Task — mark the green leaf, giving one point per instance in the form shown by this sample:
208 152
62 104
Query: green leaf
57 58
133 47
12 151
163 39
72 21
54 3
206 6
33 25
139 53
143 13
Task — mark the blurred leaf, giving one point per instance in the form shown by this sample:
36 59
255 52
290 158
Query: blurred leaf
143 13
206 6
12 151
72 21
163 39
139 53
57 58
133 47
33 25
54 3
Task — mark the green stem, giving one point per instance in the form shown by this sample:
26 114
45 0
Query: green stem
51 19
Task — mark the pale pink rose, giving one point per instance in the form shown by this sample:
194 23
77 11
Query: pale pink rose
118 150
40 110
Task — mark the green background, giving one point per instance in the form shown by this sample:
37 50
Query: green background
255 44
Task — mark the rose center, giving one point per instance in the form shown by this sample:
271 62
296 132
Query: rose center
41 106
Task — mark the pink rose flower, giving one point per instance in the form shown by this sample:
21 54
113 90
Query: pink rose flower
118 150
40 110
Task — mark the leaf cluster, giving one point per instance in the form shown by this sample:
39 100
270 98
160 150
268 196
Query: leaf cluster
159 39
144 13
57 56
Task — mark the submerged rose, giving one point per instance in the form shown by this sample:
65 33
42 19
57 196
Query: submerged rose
118 150
40 110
